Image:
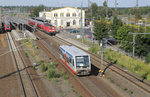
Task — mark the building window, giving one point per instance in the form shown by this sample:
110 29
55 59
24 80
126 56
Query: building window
56 22
74 14
55 15
68 14
50 21
61 14
79 14
74 22
62 22
79 22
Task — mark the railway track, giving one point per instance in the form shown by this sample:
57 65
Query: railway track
125 74
120 71
91 84
26 82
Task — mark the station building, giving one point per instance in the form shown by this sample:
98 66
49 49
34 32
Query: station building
65 17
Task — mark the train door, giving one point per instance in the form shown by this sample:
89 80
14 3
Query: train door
69 60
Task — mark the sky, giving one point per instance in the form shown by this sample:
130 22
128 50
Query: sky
73 3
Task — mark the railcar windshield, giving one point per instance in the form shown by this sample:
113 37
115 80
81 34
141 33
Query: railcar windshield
82 61
7 25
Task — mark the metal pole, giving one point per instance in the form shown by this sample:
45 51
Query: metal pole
133 45
82 31
106 9
115 7
102 52
0 18
134 35
92 30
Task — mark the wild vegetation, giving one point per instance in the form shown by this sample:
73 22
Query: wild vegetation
134 65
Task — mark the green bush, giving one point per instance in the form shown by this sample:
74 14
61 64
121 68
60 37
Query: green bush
109 58
52 65
43 68
52 73
137 67
134 65
26 54
94 49
147 59
64 75
34 67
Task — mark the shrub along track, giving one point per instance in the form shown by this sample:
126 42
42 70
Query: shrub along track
145 85
87 86
27 85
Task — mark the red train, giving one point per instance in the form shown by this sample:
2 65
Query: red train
7 25
46 27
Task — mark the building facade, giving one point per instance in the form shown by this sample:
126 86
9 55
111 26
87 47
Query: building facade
65 17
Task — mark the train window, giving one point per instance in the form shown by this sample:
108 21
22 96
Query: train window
62 53
68 59
82 61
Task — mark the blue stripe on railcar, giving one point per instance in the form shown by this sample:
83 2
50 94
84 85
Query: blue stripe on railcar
69 54
62 49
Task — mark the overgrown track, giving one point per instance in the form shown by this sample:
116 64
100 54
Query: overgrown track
18 57
53 53
90 84
115 68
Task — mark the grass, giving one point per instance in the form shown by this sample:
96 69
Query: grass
52 73
73 90
134 65
43 67
26 54
64 75
34 68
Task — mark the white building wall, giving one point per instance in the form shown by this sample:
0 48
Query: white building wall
66 20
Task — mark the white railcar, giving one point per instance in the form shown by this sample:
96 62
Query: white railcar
75 59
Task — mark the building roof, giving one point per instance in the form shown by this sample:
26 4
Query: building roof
73 51
63 8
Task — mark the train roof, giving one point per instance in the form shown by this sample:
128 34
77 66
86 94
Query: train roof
73 51
6 21
42 19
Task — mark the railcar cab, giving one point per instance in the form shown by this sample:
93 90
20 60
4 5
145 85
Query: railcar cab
75 59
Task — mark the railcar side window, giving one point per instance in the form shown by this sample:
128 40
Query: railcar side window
72 61
62 54
68 59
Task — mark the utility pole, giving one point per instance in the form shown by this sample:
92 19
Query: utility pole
136 11
115 7
106 9
82 30
0 18
134 35
89 9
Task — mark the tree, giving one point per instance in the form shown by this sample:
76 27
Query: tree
94 9
115 26
147 59
35 11
101 29
124 37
